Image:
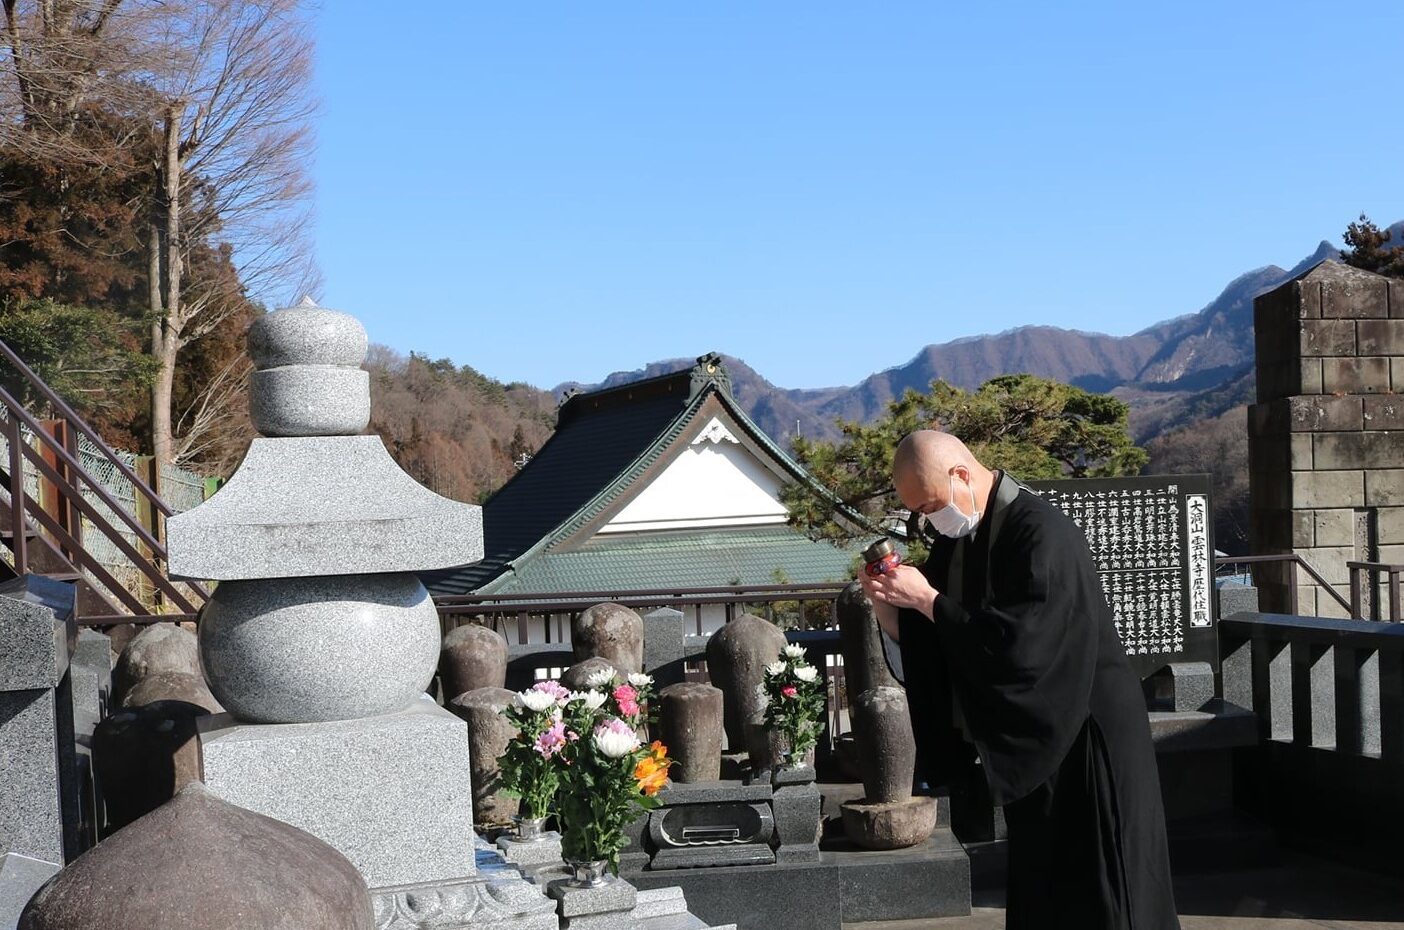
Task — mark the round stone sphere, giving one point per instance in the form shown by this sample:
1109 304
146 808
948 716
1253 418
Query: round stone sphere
309 400
303 650
307 335
473 657
577 675
200 863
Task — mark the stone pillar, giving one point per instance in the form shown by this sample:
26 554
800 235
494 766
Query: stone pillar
489 732
320 640
690 717
38 810
1326 437
665 643
864 662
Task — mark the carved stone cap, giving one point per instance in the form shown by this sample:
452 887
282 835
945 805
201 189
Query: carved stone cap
307 335
200 863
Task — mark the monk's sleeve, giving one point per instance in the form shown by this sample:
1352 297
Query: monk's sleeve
1022 662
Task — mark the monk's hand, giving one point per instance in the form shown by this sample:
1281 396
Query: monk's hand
903 586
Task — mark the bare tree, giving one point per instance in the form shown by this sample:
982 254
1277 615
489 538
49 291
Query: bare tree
233 112
211 98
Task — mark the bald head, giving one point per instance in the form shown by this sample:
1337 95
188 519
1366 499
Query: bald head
924 464
929 450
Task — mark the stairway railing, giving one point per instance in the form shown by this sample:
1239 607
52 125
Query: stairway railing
67 475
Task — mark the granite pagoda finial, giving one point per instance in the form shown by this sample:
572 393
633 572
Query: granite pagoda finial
314 538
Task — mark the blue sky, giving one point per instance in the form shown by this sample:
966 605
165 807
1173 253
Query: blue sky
551 192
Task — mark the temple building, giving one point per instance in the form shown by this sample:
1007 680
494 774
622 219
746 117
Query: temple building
661 483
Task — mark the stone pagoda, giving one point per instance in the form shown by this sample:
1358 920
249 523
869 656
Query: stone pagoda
320 642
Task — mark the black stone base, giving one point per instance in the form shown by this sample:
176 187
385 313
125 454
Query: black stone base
846 885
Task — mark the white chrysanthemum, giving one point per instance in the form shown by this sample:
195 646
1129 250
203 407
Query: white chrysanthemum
601 679
593 699
776 668
794 651
806 673
535 700
615 739
640 680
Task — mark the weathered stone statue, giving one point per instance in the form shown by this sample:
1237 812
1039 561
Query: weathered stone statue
612 632
888 816
198 863
737 655
473 657
488 736
864 665
690 717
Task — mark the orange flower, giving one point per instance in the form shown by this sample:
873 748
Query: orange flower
651 775
658 752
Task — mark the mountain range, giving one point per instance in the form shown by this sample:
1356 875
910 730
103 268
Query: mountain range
1192 367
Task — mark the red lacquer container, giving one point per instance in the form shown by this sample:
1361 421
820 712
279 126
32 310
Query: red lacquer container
881 557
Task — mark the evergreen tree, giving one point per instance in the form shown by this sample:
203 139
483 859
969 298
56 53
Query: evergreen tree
1031 427
1370 249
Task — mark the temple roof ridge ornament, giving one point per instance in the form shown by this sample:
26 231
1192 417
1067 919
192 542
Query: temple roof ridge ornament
710 369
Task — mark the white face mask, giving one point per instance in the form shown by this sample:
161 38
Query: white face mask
950 521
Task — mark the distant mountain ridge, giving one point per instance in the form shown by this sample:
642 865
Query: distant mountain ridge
1191 366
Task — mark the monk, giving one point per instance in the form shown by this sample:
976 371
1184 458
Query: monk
1019 656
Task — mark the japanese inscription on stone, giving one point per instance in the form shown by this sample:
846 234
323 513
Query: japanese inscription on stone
1152 540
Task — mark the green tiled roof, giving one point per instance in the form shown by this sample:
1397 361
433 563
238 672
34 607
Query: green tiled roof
604 441
683 559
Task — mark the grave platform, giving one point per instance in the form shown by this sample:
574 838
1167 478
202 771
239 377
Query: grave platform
842 884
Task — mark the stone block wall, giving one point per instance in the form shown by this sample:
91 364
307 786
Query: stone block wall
1326 437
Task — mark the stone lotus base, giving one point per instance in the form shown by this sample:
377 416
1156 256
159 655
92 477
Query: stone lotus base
890 824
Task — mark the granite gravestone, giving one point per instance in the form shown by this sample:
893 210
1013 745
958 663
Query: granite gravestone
320 642
39 804
611 632
1152 539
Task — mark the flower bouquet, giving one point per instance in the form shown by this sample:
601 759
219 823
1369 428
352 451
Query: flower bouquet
530 769
607 775
794 695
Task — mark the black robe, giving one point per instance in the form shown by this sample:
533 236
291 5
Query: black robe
1025 663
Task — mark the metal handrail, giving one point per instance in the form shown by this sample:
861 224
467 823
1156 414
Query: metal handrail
1295 561
77 422
611 593
1357 600
67 475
